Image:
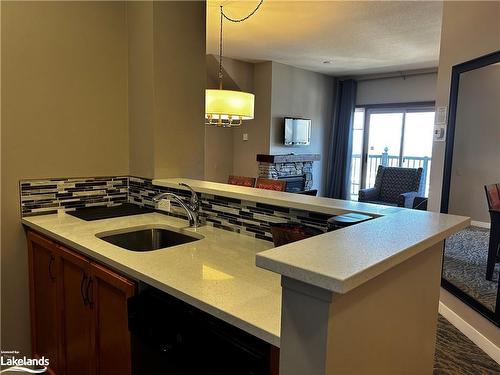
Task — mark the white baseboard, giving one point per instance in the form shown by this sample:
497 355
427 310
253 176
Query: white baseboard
480 224
475 336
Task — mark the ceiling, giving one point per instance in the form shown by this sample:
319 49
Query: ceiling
357 37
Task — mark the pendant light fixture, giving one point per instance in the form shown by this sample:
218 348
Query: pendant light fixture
228 108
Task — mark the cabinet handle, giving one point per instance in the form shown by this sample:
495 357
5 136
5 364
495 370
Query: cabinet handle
89 292
84 299
51 262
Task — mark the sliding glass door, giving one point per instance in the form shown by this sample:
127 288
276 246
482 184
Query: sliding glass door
358 127
396 137
383 142
417 143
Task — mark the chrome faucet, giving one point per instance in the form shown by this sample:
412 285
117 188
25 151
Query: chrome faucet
194 202
192 208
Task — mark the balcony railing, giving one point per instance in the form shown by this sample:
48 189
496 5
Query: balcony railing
387 160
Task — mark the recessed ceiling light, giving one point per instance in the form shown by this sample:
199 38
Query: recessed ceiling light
327 62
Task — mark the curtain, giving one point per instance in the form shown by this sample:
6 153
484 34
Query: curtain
339 155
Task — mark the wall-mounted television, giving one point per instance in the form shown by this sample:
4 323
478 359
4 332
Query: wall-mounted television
297 131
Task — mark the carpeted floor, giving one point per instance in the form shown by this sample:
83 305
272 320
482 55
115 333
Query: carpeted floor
464 265
457 355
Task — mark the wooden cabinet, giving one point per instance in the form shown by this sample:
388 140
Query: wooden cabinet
45 311
77 316
108 300
78 311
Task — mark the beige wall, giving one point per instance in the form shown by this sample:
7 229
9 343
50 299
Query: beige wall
236 74
140 88
218 153
167 81
68 97
476 155
64 113
469 30
258 129
413 88
179 88
301 93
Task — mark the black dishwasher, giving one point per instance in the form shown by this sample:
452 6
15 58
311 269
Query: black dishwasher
172 337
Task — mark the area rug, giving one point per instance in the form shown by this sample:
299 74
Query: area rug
464 265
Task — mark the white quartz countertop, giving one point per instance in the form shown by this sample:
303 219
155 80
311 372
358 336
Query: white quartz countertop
344 259
219 273
340 261
278 198
216 274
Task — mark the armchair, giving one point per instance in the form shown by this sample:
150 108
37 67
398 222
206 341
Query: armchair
394 186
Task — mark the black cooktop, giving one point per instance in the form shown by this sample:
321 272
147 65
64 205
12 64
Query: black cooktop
98 213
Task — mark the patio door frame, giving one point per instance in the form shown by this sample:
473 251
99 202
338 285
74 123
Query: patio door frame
388 108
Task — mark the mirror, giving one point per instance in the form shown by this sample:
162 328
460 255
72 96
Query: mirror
472 165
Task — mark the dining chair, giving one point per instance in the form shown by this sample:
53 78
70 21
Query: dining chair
270 184
241 181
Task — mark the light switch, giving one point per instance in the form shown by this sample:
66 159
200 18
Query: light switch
439 133
245 136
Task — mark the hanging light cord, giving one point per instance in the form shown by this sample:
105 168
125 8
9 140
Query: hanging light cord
220 48
235 20
241 19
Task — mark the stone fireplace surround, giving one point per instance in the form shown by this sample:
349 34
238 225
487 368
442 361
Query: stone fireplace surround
289 165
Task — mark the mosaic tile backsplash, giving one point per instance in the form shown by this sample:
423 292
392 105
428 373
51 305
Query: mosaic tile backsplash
245 217
50 195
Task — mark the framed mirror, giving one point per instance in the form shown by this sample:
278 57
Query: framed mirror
471 174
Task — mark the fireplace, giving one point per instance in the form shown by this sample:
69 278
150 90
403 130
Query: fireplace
296 169
294 184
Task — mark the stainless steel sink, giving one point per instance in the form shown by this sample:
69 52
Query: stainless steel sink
147 239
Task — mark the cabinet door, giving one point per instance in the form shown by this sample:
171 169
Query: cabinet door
45 315
77 315
274 360
109 294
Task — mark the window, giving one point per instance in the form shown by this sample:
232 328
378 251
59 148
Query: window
396 136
